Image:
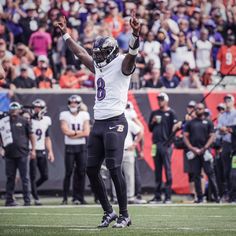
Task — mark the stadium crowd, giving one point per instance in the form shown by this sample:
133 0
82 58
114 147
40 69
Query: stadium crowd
183 44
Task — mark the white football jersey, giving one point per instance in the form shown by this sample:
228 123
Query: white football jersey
75 123
39 128
111 90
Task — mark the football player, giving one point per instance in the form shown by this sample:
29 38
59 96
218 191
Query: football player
75 126
112 78
41 127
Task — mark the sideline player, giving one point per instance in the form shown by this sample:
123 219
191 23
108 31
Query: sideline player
41 127
75 127
112 78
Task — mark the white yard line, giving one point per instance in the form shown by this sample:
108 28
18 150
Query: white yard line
95 214
130 206
47 226
88 228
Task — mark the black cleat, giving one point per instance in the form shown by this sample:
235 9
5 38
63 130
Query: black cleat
27 204
11 204
198 201
37 203
64 202
122 222
107 219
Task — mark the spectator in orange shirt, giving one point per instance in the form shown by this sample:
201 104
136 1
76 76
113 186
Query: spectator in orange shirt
43 82
226 57
37 69
22 51
68 79
114 20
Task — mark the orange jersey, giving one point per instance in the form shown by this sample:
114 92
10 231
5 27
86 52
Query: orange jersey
15 60
37 72
69 82
116 24
227 58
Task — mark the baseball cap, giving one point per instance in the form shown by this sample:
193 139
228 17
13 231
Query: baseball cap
30 6
207 112
43 58
23 67
89 1
229 96
163 96
210 23
192 104
221 106
14 106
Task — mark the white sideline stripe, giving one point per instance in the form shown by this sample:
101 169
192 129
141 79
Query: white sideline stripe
75 227
49 214
130 206
46 226
95 214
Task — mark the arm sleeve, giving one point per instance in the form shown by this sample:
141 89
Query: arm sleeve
220 123
174 118
187 127
211 128
62 116
47 133
28 127
150 124
86 116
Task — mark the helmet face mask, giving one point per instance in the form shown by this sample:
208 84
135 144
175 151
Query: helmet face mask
40 108
105 50
74 103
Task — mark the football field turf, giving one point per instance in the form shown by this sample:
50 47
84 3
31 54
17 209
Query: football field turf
205 219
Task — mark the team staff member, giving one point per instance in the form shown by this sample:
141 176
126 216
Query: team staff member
16 133
227 119
75 127
161 123
41 127
198 137
191 114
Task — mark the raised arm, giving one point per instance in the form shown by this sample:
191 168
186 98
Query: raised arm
2 72
79 51
128 64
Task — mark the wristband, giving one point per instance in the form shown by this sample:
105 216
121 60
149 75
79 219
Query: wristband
133 52
66 36
133 45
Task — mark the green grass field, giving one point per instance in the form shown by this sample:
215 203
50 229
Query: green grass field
181 219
